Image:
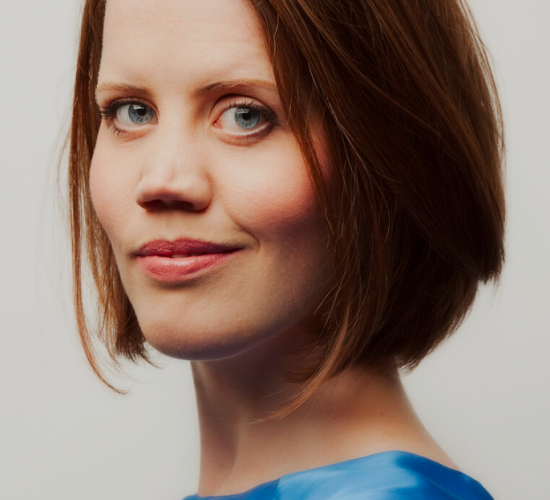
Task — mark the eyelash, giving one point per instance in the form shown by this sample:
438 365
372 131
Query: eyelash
109 110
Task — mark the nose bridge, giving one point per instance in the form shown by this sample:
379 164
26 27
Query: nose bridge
175 143
174 168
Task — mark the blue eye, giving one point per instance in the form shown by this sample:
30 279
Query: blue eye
134 114
248 115
137 112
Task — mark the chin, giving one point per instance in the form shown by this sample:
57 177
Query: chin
191 344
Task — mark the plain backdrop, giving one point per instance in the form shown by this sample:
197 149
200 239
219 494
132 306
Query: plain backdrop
484 394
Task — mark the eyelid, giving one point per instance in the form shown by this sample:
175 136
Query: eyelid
110 108
266 112
253 104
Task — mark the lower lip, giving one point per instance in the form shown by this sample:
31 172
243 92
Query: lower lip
171 270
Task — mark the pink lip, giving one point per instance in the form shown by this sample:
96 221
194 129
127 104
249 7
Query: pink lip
171 270
183 246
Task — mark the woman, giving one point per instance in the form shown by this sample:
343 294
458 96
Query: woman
336 166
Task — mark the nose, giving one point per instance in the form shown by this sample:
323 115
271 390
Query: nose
173 177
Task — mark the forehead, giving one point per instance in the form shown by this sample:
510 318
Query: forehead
180 41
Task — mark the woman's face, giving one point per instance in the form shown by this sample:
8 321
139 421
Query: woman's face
190 164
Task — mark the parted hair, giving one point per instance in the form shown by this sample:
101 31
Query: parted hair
416 212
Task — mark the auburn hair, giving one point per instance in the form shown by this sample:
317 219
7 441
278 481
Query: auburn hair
416 213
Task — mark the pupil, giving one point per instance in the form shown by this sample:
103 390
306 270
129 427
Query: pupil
138 113
243 115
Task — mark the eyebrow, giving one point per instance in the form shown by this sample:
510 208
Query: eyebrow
197 91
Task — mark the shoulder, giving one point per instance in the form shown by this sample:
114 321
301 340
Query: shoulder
392 475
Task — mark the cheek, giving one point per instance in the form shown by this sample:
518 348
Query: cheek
276 201
110 191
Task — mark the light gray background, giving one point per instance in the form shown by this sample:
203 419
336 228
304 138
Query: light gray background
484 395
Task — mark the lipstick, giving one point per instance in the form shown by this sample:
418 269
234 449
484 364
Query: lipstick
173 261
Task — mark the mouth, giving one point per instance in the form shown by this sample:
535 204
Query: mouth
182 248
183 256
186 255
175 267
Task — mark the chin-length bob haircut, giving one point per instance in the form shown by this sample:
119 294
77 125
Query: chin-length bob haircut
416 211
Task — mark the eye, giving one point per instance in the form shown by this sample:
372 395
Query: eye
131 115
240 117
237 118
138 113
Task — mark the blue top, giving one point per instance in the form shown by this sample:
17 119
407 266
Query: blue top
388 475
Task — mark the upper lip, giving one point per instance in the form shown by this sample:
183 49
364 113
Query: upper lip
183 246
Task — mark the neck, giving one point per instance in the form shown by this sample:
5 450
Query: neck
357 413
